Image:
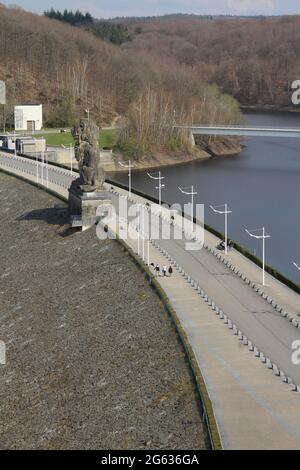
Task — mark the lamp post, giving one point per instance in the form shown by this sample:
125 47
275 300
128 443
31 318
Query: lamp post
15 139
297 265
160 186
148 249
129 166
71 158
225 211
143 231
263 237
189 191
138 228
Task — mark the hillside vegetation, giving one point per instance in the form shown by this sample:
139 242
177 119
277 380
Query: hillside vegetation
69 69
116 33
255 59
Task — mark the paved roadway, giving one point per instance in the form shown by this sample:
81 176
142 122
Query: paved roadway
255 317
270 332
253 409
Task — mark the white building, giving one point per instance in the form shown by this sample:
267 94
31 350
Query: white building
29 117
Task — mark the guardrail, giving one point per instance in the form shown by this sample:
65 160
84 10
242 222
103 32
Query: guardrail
38 170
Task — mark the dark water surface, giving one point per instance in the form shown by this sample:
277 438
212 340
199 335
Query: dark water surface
261 187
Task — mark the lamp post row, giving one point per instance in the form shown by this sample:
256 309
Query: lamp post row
222 209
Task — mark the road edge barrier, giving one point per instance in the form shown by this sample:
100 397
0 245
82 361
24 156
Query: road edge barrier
203 394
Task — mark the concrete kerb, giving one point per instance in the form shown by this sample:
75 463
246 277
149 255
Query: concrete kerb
241 275
198 377
244 278
228 322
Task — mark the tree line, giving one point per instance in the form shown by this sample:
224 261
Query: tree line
75 19
115 33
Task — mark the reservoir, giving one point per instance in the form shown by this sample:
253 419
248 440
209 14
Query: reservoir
261 187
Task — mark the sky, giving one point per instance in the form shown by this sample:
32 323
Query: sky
112 8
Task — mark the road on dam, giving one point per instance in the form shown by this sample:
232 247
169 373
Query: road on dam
253 408
271 333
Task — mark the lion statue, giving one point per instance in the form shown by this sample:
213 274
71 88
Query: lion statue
87 153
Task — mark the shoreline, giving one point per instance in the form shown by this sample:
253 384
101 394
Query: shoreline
202 153
270 109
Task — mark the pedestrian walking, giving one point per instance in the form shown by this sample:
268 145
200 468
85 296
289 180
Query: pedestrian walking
164 271
157 270
170 271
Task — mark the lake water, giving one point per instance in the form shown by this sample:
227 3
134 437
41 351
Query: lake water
261 187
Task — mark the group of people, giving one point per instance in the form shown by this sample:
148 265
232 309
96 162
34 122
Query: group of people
164 271
222 245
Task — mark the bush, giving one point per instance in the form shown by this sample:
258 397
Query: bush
63 114
130 146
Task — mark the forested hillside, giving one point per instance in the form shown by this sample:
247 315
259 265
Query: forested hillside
68 69
116 33
255 60
65 68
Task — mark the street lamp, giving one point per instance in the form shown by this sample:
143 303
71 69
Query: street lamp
129 166
263 238
71 148
142 229
15 139
71 158
189 191
138 228
160 186
225 211
297 265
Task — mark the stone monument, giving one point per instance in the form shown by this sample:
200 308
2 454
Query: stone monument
87 192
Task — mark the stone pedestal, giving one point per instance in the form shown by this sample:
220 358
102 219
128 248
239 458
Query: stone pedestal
83 207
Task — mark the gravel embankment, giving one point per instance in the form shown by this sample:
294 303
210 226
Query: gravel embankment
93 360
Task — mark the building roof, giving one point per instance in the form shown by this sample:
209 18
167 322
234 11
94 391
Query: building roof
28 104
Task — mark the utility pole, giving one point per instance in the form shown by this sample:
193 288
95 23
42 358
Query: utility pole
262 237
225 212
3 102
129 166
189 191
157 176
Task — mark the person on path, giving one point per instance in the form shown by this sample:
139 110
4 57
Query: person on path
170 271
157 270
164 271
